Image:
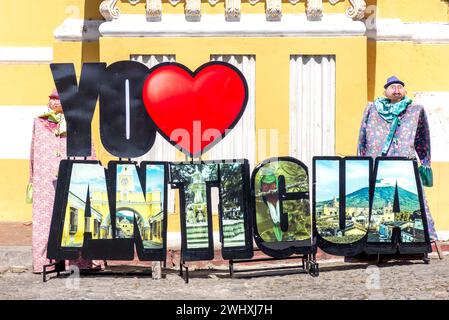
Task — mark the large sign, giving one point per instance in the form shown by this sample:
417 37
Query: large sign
109 214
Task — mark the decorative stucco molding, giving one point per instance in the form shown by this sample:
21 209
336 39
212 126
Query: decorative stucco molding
109 10
232 9
154 10
193 10
78 30
314 9
273 10
357 11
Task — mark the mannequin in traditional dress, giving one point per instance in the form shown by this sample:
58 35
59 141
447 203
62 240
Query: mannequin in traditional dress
48 148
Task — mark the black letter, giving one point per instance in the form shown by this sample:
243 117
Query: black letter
126 129
78 103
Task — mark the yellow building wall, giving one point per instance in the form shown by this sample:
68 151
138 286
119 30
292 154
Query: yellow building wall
14 180
30 23
413 11
78 237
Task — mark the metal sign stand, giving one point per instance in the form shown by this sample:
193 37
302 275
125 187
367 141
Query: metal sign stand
308 265
182 266
59 265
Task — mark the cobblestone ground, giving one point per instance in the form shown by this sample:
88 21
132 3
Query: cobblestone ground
337 280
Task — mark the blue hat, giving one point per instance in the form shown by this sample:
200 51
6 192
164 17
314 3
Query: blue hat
391 80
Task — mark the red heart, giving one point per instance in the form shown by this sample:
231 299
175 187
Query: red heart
192 110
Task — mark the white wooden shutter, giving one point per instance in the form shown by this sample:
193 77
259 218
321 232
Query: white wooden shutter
312 107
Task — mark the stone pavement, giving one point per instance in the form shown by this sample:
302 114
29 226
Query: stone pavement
337 280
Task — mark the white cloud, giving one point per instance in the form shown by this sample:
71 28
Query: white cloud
401 171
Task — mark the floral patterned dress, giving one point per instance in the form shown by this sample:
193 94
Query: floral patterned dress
48 148
411 138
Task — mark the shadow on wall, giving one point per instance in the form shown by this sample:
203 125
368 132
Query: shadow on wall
91 49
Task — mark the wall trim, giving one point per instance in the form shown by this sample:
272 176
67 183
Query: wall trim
17 119
253 25
26 55
443 235
397 30
78 30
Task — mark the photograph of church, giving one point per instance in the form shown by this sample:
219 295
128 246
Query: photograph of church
131 203
396 205
87 180
135 206
193 178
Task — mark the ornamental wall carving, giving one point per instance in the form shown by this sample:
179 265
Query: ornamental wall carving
273 8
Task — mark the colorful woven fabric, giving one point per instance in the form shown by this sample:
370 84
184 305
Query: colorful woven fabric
47 150
411 139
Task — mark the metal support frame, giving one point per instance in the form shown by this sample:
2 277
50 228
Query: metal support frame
58 267
182 266
381 258
438 249
308 264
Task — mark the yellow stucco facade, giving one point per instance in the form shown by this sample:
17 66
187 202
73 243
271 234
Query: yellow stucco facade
362 65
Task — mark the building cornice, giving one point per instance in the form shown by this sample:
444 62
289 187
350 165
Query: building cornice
417 32
78 30
250 25
328 25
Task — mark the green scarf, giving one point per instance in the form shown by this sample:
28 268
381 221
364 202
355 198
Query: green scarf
57 118
390 113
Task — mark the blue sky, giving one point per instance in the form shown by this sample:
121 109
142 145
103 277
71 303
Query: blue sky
357 175
401 171
154 177
82 174
94 175
327 179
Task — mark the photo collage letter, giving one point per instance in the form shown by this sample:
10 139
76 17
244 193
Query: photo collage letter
354 205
